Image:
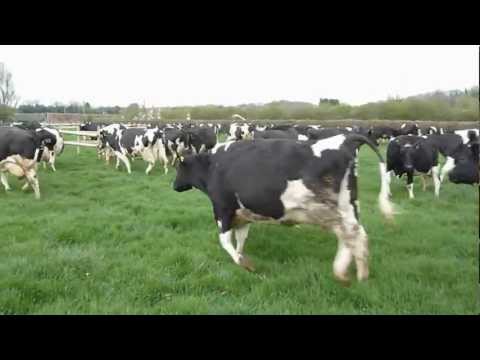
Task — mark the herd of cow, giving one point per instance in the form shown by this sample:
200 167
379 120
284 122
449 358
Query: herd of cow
286 174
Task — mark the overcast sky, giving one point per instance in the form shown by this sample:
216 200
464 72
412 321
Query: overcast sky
232 75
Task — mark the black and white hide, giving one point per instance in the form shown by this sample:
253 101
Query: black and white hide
286 182
413 155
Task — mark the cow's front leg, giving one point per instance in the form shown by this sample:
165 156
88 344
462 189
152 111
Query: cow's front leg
226 237
410 185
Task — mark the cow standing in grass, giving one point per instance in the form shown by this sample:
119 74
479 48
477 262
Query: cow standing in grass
286 182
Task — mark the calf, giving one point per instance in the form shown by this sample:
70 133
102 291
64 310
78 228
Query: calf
413 155
286 182
240 132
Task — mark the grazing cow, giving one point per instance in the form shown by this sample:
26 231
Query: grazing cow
89 126
286 182
53 149
201 139
413 155
20 151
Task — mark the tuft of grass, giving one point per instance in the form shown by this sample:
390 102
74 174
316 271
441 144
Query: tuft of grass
104 242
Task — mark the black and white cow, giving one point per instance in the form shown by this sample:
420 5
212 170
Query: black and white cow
20 152
448 145
150 146
286 182
201 139
177 142
413 155
109 144
240 132
53 149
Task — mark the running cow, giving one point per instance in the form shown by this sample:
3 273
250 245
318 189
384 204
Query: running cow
286 182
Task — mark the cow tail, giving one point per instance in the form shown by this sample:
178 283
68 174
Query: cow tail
386 207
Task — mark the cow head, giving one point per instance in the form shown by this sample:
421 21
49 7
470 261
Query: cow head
192 171
407 156
466 170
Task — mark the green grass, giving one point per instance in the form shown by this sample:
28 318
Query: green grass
103 242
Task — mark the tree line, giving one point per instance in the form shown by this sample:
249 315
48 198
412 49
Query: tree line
454 105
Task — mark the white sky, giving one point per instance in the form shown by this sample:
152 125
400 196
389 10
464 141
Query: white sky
231 75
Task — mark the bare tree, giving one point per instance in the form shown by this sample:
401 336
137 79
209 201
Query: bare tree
8 96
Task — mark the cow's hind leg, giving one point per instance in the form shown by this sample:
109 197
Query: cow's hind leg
3 179
149 168
226 236
241 234
436 180
352 238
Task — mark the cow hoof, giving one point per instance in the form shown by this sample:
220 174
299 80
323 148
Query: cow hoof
343 280
246 263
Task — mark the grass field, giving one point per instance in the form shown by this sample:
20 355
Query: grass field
104 242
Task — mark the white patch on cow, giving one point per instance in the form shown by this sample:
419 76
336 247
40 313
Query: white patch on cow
447 167
331 143
403 125
441 131
407 145
226 145
219 224
434 129
348 128
424 136
296 194
302 137
464 134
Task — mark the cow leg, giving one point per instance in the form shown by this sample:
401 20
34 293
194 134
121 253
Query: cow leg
410 186
424 182
32 180
436 180
3 179
226 235
241 234
149 168
52 161
449 165
124 159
